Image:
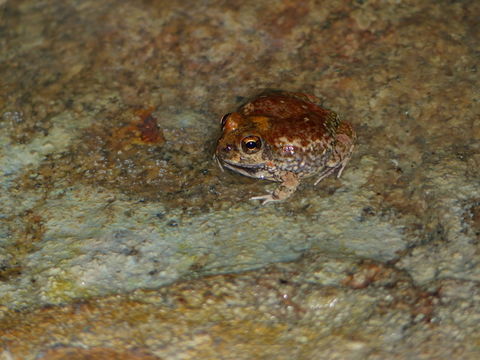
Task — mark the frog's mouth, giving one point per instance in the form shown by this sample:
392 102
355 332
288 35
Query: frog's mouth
245 169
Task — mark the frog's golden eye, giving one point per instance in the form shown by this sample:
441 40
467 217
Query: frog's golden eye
251 144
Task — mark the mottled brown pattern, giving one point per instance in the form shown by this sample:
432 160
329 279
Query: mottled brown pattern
285 105
297 136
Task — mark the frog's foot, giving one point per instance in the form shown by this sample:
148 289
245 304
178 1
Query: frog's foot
265 199
350 142
284 191
324 174
343 164
330 170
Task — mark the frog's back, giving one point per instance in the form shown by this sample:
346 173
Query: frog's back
297 125
288 106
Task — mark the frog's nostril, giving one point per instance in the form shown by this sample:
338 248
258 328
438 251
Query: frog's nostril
228 148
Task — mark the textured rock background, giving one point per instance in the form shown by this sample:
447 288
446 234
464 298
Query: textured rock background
120 238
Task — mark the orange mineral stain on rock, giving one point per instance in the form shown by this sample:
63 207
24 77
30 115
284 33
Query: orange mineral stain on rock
77 353
144 131
148 127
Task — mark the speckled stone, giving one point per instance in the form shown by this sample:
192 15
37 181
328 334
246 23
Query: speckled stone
320 307
120 237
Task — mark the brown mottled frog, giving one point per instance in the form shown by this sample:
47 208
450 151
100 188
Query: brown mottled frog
284 137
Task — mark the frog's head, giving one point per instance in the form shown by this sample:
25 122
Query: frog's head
241 147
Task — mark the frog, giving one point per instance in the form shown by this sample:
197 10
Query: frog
284 136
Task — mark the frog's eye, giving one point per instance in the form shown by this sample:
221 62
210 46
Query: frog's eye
251 144
224 119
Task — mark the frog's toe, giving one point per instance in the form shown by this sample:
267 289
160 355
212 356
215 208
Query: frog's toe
324 174
265 199
342 166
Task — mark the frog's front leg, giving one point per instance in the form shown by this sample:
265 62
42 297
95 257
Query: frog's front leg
288 186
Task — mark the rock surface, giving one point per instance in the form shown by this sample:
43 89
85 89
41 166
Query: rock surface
120 238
